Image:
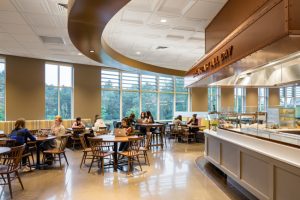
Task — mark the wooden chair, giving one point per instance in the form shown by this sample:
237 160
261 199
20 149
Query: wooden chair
87 152
75 136
132 153
144 149
60 151
188 136
11 166
97 146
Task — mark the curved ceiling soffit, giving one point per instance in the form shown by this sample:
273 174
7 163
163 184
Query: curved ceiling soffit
86 22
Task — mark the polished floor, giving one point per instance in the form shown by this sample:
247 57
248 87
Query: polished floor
173 174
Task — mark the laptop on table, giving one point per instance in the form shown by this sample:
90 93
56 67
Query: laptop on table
120 132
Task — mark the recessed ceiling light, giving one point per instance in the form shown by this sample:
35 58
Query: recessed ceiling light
92 51
163 20
138 53
80 54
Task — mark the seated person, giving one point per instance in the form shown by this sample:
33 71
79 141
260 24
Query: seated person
78 123
193 121
125 125
142 118
177 121
131 119
149 118
57 128
21 135
99 124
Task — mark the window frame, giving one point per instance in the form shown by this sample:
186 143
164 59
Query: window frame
59 65
243 95
141 90
3 60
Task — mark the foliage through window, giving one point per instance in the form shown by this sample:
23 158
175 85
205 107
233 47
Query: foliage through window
124 93
263 94
214 96
290 96
59 91
2 89
239 100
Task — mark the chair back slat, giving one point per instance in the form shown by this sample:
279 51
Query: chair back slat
134 145
97 146
13 158
63 142
82 141
77 131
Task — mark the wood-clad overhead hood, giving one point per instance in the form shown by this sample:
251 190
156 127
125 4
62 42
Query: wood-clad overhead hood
271 32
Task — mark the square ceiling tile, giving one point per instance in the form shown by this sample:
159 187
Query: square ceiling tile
12 28
11 18
132 16
173 7
204 10
6 5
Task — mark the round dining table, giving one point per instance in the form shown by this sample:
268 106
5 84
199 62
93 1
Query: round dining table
115 140
4 150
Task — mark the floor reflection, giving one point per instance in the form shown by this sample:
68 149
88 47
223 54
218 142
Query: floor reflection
173 174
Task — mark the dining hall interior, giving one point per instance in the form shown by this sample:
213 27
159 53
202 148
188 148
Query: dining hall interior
150 99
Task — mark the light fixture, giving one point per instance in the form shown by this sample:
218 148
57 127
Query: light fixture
138 53
79 54
92 51
163 20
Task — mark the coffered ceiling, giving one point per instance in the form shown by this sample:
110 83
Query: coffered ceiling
165 33
38 29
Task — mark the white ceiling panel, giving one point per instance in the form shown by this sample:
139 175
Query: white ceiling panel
40 20
32 6
209 9
11 18
5 5
166 33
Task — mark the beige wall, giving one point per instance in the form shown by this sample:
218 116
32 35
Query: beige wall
251 97
199 99
274 97
87 96
227 98
25 89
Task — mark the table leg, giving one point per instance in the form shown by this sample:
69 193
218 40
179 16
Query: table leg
115 155
38 152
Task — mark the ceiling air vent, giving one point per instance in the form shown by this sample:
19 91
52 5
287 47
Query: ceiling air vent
161 47
52 40
64 5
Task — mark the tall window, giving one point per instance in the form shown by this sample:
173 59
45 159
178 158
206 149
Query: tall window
290 96
166 98
130 94
2 89
124 93
149 94
239 100
263 94
110 95
59 91
182 95
214 96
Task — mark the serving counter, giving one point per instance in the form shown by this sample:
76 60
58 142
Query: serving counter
266 168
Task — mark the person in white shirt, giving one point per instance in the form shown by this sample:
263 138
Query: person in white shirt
99 124
57 128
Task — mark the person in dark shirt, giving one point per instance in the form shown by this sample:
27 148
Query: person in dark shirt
21 135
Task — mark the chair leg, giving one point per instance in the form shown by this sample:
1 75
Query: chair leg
17 175
129 167
147 158
102 165
32 157
59 158
83 158
3 178
29 163
66 158
91 164
9 185
139 162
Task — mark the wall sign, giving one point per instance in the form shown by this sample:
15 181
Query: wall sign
215 62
